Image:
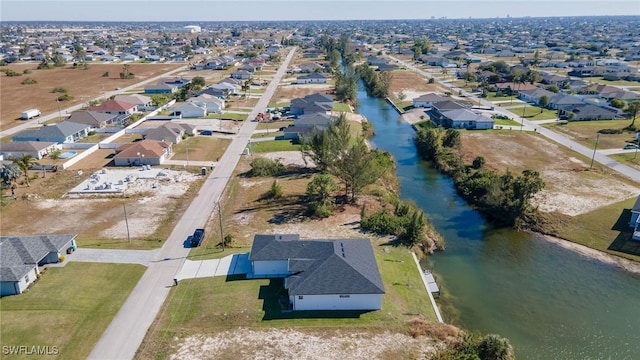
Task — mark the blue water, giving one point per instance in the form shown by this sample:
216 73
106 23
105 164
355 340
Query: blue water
67 154
550 302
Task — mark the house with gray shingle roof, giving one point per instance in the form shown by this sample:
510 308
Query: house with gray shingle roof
21 257
635 219
337 274
17 149
62 132
96 119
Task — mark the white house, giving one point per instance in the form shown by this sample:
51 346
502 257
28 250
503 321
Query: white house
145 152
320 274
312 78
189 110
211 103
427 100
22 256
466 119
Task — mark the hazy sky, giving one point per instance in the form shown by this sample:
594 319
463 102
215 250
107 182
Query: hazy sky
216 10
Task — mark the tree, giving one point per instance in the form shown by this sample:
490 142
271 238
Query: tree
275 191
126 72
24 163
478 162
9 172
632 112
319 192
468 77
553 88
402 95
495 347
617 103
543 102
198 82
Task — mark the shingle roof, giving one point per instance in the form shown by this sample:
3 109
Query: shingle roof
430 97
345 266
148 148
21 146
93 118
20 254
61 129
113 105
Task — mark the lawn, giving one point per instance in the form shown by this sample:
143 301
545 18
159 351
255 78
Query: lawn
273 125
272 133
632 159
585 132
341 107
600 80
534 113
606 229
275 145
69 307
200 148
211 305
492 97
506 122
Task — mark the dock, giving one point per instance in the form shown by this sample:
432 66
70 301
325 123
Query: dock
431 283
426 286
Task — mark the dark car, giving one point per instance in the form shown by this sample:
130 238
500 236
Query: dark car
197 237
206 132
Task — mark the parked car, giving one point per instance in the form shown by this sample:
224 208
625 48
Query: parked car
206 132
197 237
630 146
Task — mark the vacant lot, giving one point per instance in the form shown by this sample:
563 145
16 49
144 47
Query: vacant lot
69 307
412 84
83 85
585 132
200 148
285 93
570 187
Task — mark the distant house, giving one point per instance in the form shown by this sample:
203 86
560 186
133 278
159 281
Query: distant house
17 149
212 103
62 132
142 101
115 107
512 88
534 95
427 100
635 220
145 152
169 132
241 74
585 112
96 119
189 110
22 256
320 274
161 88
312 78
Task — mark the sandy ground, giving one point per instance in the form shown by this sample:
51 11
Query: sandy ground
292 344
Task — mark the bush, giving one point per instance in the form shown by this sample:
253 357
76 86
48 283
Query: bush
28 81
26 71
59 89
382 222
432 80
12 73
65 97
275 191
61 258
265 167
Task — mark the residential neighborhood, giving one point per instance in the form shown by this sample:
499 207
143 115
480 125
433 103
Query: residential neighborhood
270 188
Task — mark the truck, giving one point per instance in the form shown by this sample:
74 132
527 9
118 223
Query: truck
31 113
196 238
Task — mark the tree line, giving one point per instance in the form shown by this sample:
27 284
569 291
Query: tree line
377 83
505 198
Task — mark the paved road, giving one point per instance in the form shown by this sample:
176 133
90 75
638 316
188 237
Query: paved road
127 330
599 157
44 118
142 257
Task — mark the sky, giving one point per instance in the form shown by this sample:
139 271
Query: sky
238 10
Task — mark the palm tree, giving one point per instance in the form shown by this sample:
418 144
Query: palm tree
25 163
632 112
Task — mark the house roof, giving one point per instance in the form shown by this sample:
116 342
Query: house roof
564 99
313 75
186 106
636 206
448 104
113 105
345 266
24 146
19 254
515 86
148 148
93 118
317 119
430 97
592 110
464 115
61 129
317 97
161 86
163 132
538 93
137 99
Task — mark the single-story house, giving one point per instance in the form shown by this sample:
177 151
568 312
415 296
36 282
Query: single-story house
535 95
465 119
210 102
169 132
560 100
511 87
303 125
142 101
62 132
320 274
21 257
189 110
312 103
96 119
115 107
585 112
241 74
17 149
427 100
161 88
635 219
145 152
312 78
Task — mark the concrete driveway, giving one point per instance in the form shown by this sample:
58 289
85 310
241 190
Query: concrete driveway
142 257
235 264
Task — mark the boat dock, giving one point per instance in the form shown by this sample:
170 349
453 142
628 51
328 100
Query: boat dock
431 283
426 286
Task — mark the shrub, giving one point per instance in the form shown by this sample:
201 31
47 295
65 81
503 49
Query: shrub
26 71
265 167
65 97
12 73
105 74
28 81
275 191
59 89
61 258
432 80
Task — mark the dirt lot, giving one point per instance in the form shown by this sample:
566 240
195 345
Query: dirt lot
285 93
83 85
413 85
570 187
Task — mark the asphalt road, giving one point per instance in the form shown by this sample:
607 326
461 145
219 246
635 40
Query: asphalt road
127 330
44 118
601 158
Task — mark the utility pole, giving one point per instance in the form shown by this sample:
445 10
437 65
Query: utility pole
126 221
594 150
220 219
523 113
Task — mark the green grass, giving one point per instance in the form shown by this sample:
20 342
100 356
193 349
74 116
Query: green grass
604 229
610 82
585 132
275 145
533 112
201 148
341 107
492 97
632 159
69 307
273 104
273 125
506 122
211 305
272 133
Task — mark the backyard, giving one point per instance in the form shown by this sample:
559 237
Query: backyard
585 132
67 308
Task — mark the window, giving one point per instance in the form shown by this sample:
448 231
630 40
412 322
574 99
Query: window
344 296
300 297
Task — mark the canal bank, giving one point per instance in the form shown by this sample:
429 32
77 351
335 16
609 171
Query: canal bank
549 301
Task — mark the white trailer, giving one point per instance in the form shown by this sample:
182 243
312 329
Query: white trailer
31 113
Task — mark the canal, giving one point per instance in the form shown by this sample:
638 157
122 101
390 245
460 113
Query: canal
550 302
